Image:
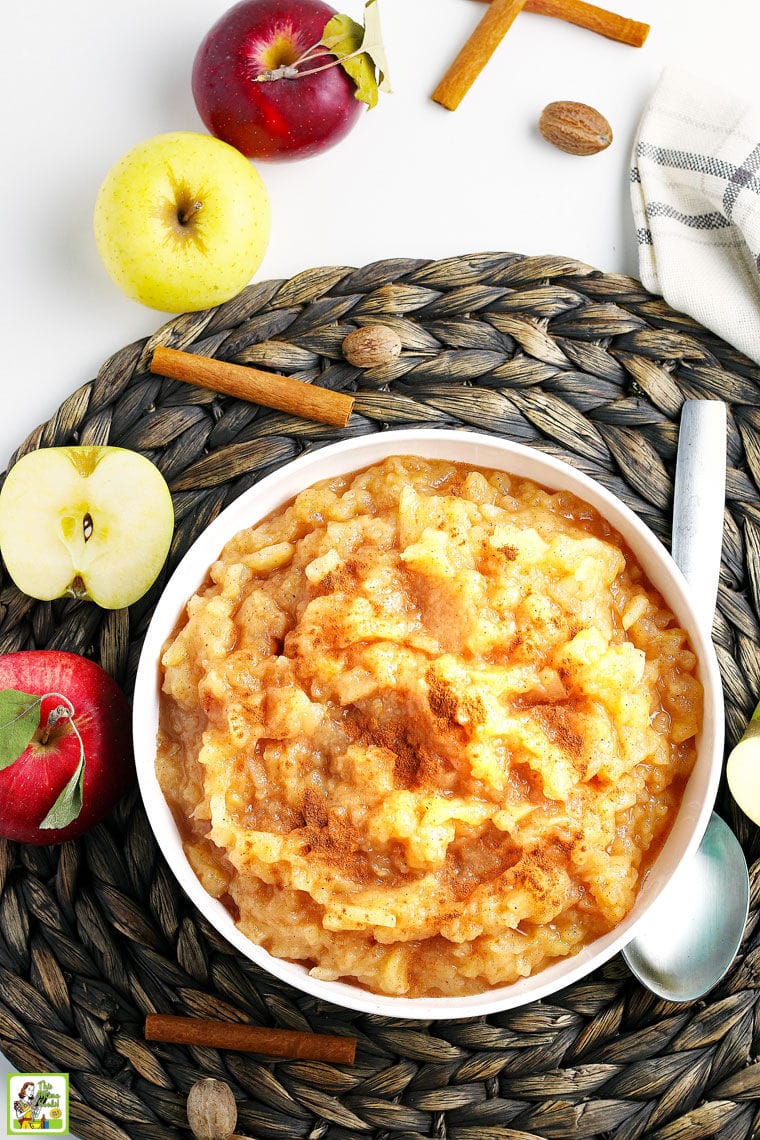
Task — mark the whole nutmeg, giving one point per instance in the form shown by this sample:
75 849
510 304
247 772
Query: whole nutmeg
575 128
211 1110
371 346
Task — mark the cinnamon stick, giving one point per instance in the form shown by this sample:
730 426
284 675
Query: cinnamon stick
268 388
594 19
476 52
249 1038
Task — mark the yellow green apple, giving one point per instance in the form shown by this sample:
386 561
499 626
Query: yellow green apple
182 221
92 522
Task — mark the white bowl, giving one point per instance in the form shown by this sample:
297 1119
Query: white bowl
483 451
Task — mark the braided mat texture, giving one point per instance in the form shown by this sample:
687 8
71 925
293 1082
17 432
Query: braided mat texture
96 933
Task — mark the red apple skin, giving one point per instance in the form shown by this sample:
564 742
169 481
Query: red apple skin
30 786
279 118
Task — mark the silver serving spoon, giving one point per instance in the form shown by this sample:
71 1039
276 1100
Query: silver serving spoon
694 929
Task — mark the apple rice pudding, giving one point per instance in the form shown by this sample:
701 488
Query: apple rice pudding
424 728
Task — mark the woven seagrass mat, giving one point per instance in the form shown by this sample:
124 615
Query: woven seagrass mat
96 933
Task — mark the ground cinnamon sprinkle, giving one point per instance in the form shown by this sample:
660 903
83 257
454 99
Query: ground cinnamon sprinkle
333 838
540 861
446 704
314 809
416 762
339 581
557 722
474 711
497 852
441 697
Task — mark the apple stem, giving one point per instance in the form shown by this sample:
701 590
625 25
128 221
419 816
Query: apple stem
316 49
326 66
287 71
77 588
291 70
186 214
63 711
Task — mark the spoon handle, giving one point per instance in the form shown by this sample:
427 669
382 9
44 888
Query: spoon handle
699 500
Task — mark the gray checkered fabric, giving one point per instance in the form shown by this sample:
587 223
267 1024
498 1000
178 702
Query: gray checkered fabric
695 190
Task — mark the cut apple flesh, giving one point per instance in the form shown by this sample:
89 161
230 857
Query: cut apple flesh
743 770
95 522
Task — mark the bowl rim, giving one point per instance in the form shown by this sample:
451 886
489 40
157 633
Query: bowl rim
477 449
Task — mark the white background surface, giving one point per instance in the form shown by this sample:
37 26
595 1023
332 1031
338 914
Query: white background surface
83 81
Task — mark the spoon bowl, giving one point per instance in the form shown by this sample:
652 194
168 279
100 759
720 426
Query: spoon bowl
691 934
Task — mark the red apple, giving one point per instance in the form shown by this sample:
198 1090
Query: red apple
273 118
68 724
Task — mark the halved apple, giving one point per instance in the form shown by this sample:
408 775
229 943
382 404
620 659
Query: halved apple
743 769
93 522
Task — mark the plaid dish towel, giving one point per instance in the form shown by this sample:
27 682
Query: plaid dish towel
695 188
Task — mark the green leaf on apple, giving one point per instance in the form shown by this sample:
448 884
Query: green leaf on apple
360 52
69 803
19 720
